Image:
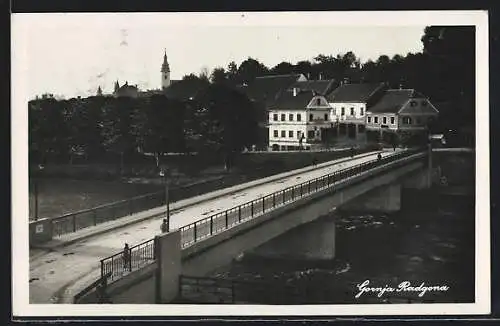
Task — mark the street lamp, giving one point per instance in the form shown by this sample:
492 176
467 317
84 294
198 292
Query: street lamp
35 185
163 174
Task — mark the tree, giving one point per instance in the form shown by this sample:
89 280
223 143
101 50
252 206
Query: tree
119 126
161 126
232 72
283 68
226 120
48 131
218 76
303 67
250 69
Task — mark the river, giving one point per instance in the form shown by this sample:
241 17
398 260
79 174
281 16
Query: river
430 246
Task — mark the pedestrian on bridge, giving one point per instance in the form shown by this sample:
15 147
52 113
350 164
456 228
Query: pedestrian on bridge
164 226
126 258
379 157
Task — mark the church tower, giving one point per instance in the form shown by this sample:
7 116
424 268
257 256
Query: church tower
165 72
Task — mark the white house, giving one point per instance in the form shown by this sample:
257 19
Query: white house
298 119
399 112
349 104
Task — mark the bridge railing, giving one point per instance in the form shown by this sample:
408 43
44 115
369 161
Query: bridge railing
82 219
222 221
119 264
143 253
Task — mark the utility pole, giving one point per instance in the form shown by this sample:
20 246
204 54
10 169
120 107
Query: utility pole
163 174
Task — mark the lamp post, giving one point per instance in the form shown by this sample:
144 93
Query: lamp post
163 174
35 190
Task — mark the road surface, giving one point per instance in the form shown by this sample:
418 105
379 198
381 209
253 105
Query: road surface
56 276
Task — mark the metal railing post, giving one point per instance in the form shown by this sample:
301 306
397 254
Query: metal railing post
251 209
293 193
95 217
74 223
194 232
283 196
227 222
211 225
263 204
274 200
239 213
102 268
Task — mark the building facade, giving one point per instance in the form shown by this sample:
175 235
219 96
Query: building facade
297 120
400 114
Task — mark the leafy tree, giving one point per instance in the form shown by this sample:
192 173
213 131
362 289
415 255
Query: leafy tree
226 120
218 76
283 68
48 130
250 69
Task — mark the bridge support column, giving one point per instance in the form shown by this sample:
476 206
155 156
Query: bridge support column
169 266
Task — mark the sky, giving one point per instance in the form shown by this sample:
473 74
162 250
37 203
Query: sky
73 54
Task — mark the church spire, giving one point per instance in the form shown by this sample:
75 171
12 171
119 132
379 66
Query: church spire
117 86
165 67
165 72
99 91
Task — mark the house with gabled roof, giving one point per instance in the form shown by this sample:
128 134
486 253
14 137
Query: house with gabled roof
297 120
350 102
400 111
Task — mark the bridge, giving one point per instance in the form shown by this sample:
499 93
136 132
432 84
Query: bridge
207 231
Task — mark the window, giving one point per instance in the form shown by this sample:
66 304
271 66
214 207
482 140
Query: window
375 119
310 134
392 120
352 111
275 117
290 117
283 133
406 120
310 117
318 101
384 119
290 133
299 134
361 111
326 116
299 116
276 134
342 111
282 117
369 119
413 103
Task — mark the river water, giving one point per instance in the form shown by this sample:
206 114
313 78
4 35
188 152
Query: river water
431 246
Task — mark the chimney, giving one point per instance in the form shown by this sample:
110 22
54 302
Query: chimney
308 76
320 77
295 91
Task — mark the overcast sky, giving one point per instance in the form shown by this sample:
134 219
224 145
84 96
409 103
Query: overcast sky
72 54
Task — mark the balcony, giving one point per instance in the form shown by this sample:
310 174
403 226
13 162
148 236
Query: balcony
319 121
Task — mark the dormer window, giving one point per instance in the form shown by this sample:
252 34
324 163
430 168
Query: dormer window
318 101
413 103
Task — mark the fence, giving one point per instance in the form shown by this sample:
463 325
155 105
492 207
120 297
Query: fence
222 221
100 287
143 254
137 257
75 221
213 290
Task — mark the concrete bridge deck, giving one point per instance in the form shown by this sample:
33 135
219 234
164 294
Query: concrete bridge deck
55 277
